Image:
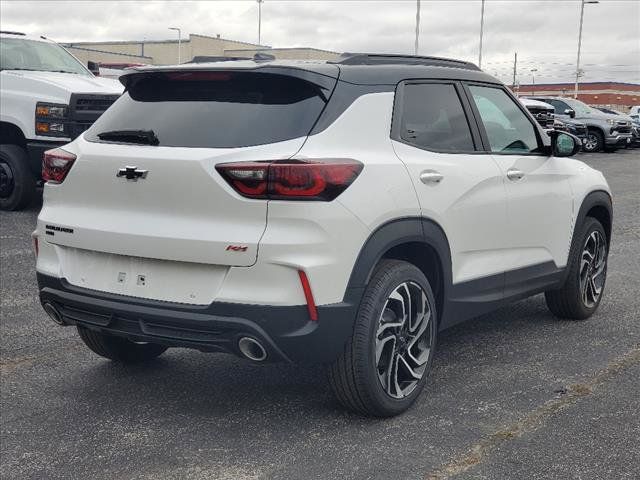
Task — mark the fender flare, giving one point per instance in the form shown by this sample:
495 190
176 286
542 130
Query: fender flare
391 234
596 198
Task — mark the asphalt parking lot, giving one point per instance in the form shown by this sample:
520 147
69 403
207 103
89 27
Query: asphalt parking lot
513 394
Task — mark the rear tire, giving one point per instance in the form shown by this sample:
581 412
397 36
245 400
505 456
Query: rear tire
17 183
119 349
595 141
578 298
377 373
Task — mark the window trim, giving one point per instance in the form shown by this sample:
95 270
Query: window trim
543 146
398 107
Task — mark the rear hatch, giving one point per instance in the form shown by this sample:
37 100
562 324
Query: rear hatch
156 195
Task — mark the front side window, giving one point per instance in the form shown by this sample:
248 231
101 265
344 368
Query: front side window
559 106
508 128
433 118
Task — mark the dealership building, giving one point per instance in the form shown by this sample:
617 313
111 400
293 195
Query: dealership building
166 52
617 95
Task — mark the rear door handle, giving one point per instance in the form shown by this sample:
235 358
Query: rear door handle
431 176
514 174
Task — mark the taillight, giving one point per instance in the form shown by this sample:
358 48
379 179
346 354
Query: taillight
56 164
291 179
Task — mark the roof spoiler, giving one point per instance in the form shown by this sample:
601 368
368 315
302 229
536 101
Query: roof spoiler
391 59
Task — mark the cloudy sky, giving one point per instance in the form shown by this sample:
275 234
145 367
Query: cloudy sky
543 32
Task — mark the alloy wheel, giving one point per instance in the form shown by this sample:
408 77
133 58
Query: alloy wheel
403 340
592 142
593 263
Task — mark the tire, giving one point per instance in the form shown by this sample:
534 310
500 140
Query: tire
357 375
573 300
17 183
119 349
595 141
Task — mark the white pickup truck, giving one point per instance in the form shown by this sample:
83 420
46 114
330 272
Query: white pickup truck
47 98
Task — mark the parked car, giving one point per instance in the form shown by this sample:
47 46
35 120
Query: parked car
47 98
321 212
632 119
635 110
605 132
572 126
542 112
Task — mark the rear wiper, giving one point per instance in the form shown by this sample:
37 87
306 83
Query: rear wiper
144 137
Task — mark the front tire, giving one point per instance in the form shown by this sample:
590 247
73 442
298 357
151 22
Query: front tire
119 349
17 183
595 141
582 291
385 364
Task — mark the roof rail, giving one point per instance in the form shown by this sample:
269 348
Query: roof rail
12 33
391 59
211 59
263 57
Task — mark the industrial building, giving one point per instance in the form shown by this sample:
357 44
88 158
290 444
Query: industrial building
617 95
166 52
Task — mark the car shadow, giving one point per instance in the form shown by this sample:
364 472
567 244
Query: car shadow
218 385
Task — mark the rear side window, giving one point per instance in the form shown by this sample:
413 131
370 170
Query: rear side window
433 118
214 109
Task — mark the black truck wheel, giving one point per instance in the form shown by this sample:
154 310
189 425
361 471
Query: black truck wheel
17 184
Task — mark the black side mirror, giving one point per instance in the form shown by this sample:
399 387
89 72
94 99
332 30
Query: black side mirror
94 68
564 144
571 112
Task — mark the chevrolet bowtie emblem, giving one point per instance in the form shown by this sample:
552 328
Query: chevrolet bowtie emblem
132 173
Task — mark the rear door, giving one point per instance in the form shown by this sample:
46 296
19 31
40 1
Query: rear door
458 185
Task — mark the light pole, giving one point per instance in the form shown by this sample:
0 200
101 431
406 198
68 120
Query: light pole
582 4
415 49
179 42
259 19
533 80
481 32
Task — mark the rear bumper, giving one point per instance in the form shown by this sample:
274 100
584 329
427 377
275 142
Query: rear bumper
285 331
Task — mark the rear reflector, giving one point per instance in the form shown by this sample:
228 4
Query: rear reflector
308 295
56 164
291 179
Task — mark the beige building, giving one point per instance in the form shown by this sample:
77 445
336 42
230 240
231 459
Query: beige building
165 52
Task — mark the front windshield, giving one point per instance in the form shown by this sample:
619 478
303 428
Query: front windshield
22 54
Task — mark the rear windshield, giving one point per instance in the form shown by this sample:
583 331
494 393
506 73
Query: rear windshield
214 109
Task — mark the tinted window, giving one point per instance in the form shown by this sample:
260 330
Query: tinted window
508 128
433 118
558 106
215 109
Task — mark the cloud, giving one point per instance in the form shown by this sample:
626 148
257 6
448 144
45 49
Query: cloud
543 32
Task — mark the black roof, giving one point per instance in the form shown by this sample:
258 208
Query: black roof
361 69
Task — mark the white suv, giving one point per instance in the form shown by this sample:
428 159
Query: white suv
341 213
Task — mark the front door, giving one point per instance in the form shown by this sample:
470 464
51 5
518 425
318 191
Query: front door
539 197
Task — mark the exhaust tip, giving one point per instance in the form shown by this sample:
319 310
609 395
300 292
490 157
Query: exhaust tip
252 349
53 313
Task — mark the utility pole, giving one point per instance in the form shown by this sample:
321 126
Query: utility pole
515 69
583 2
481 33
259 20
415 50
